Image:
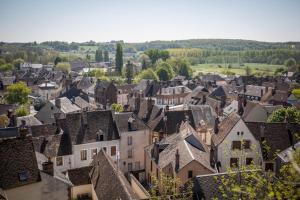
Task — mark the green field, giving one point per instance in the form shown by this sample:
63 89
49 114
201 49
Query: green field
266 69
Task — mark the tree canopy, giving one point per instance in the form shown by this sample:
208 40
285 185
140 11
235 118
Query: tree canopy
99 55
117 107
290 62
119 58
289 114
156 54
147 74
64 66
18 93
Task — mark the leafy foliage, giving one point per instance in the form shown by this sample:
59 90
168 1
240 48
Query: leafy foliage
106 56
129 72
156 54
290 62
117 107
290 114
147 74
64 66
296 92
18 93
99 55
22 111
17 63
119 58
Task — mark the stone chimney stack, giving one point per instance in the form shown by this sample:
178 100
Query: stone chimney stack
177 157
58 103
48 167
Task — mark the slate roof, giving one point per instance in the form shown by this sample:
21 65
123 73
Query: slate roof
78 65
126 88
121 120
279 96
83 127
66 105
10 132
109 182
283 155
254 90
85 83
174 120
256 112
8 80
18 160
225 127
81 103
53 145
75 92
30 120
190 148
79 176
202 112
275 134
43 130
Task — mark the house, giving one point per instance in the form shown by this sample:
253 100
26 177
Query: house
257 112
197 96
172 95
59 106
254 92
78 65
183 155
24 180
105 93
272 138
233 144
134 136
108 182
49 90
123 94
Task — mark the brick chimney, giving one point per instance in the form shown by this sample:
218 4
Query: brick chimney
177 157
48 167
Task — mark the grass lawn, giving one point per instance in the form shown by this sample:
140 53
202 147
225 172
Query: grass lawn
235 68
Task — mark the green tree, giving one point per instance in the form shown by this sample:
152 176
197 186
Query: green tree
57 60
17 63
99 55
2 62
119 59
88 57
64 66
106 56
248 71
290 62
147 74
296 92
144 64
22 111
129 72
163 74
117 107
289 114
18 93
156 54
185 70
166 187
6 67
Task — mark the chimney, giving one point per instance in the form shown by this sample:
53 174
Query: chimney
216 128
177 161
48 167
240 106
23 129
58 103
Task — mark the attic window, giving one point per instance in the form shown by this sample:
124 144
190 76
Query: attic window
23 175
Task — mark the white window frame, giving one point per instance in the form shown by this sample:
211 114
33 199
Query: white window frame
85 155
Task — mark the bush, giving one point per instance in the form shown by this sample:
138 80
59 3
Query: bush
22 111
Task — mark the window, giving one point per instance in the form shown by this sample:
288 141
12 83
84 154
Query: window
104 148
129 140
236 145
190 174
100 137
238 133
83 154
93 153
137 165
59 161
269 167
23 175
113 150
249 161
247 144
130 153
129 167
234 162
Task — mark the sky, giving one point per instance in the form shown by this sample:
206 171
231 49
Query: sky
148 20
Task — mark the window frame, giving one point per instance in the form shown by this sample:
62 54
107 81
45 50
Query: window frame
234 145
129 140
81 155
111 150
93 153
190 173
247 161
56 161
232 164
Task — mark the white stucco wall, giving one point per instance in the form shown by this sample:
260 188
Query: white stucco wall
225 151
82 163
140 139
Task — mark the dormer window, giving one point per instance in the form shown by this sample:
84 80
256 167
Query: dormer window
100 137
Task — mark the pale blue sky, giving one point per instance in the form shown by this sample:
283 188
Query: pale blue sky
146 20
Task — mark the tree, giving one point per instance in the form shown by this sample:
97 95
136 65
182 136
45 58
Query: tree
129 72
147 74
57 60
117 107
64 66
144 64
17 63
18 93
119 59
106 56
166 187
164 71
4 121
248 71
185 70
2 62
156 54
99 55
6 67
290 62
296 92
289 114
22 111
